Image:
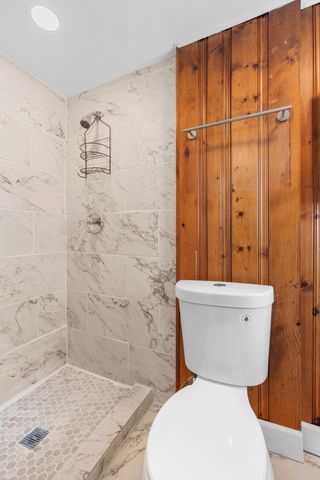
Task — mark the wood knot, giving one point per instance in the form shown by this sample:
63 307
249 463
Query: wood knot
315 311
292 57
195 67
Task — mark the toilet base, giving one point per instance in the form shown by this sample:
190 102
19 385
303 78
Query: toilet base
145 475
226 407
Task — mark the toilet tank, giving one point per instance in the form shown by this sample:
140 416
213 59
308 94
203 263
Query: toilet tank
226 330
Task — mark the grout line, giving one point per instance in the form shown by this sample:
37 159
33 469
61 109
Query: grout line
128 363
33 297
38 319
27 167
158 328
126 277
37 254
154 350
98 335
120 212
40 212
158 212
107 295
98 375
87 311
66 224
34 340
123 255
30 212
126 342
33 233
30 141
30 389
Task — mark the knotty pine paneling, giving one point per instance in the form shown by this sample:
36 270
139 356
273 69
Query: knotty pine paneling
316 156
284 217
191 66
248 193
245 78
218 180
307 212
311 99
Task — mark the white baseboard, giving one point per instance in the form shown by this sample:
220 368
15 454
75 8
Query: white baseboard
311 438
282 440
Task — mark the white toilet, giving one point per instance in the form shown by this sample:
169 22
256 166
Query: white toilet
208 431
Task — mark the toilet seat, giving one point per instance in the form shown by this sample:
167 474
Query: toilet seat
207 431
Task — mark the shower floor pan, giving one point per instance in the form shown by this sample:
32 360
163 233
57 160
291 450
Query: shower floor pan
87 418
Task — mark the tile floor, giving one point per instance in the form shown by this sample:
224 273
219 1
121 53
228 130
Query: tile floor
84 415
127 463
285 469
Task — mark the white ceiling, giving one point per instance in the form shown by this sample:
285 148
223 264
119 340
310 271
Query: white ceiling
99 40
308 3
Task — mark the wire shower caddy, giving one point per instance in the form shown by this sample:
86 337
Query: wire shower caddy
96 152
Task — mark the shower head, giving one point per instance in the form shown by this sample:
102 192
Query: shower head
87 120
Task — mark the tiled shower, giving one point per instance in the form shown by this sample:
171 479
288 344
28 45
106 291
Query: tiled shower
103 303
120 282
32 219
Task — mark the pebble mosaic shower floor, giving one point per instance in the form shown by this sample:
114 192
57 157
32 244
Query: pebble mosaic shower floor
76 407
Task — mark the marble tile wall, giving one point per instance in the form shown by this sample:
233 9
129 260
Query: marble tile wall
32 230
120 282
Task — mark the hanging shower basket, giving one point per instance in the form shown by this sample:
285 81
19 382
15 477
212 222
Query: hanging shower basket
96 146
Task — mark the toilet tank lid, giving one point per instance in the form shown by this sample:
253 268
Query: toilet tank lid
224 294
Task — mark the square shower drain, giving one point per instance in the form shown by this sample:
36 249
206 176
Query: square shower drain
34 438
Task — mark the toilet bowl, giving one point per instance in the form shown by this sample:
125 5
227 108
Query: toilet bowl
208 430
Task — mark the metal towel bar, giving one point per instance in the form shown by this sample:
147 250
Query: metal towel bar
283 116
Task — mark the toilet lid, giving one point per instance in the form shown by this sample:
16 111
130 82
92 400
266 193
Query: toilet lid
206 433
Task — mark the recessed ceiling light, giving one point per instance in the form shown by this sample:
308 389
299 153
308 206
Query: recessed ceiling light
45 18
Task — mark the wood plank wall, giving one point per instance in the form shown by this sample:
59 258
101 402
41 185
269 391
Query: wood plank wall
248 196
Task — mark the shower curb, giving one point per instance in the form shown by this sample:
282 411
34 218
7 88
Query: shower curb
96 452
